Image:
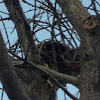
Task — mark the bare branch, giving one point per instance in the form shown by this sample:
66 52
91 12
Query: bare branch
4 12
8 76
59 76
8 18
22 26
6 32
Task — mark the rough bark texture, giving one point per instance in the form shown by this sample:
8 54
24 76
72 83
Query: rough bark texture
90 46
8 76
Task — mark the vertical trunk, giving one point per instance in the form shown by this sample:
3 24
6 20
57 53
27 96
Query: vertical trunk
90 72
90 48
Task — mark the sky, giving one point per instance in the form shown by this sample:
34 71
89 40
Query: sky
41 35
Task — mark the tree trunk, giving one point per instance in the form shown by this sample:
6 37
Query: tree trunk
90 47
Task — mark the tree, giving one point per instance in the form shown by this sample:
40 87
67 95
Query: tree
31 69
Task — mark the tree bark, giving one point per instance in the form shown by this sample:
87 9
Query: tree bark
76 14
8 76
